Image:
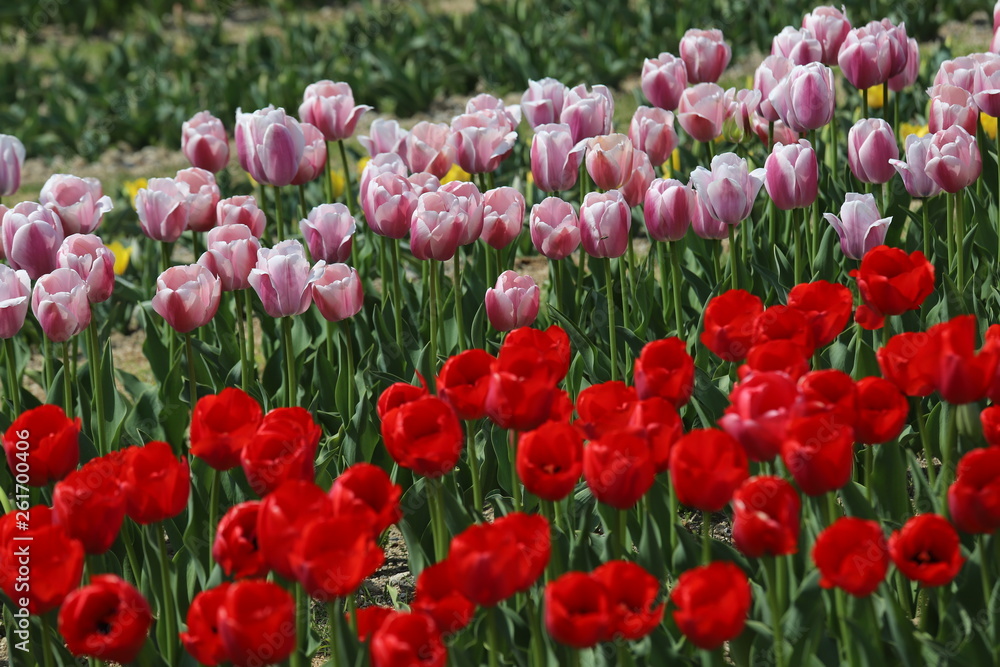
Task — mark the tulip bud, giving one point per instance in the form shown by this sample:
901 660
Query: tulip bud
555 157
729 189
330 107
542 103
805 99
437 226
78 201
512 302
269 144
605 221
202 196
93 262
959 72
163 208
282 278
11 161
799 46
668 208
338 292
609 159
791 175
702 222
953 160
870 146
555 229
640 176
482 140
951 105
913 171
865 56
830 27
428 147
204 142
859 226
588 114
706 55
986 92
384 136
503 216
767 77
313 162
388 204
60 304
231 255
31 237
241 210
328 231
652 131
664 78
702 110
187 297
15 293
470 202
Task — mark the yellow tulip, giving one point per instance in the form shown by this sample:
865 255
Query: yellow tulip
875 98
906 129
673 165
122 256
989 125
131 188
456 173
339 182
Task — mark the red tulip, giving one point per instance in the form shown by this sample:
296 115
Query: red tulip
366 489
892 282
605 408
90 504
658 420
408 639
818 452
202 638
156 484
55 560
236 546
396 395
827 306
283 516
706 467
766 517
222 425
107 619
757 418
632 599
619 469
550 460
829 392
852 554
927 550
882 411
42 445
334 555
438 596
989 418
371 619
960 375
712 604
257 623
576 610
552 344
424 436
283 448
782 356
522 388
784 323
464 381
665 369
493 561
974 496
909 361
729 323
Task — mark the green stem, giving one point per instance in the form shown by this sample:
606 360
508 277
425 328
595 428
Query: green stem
130 552
97 381
301 626
537 641
771 573
192 374
397 286
47 353
621 529
473 456
797 242
334 612
241 336
998 188
251 354
847 653
515 481
46 647
348 184
435 497
328 173
13 383
675 276
286 334
706 538
984 569
345 331
948 448
734 257
927 233
960 237
612 330
869 470
302 202
864 103
581 271
673 522
383 266
67 382
951 229
213 510
661 260
432 278
278 216
925 441
168 596
331 333
352 613
492 637
458 289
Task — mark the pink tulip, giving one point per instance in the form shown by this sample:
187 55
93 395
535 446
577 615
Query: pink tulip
996 16
870 146
163 208
187 297
503 216
899 50
987 87
741 111
798 45
60 304
913 171
664 78
703 224
705 54
767 77
953 159
388 205
204 142
512 302
729 189
338 292
428 147
422 182
3 212
87 255
470 201
702 110
15 293
640 175
330 107
859 226
31 236
668 208
782 133
202 196
328 231
542 103
605 222
908 76
437 226
482 140
554 227
652 131
313 161
951 105
609 158
805 99
959 72
282 279
995 42
588 114
491 105
830 27
11 161
384 163
384 136
791 175
269 144
555 157
79 202
866 56
241 210
231 255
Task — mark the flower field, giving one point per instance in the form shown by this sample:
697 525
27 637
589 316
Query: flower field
711 381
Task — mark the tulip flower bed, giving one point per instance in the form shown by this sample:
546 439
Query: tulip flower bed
722 427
